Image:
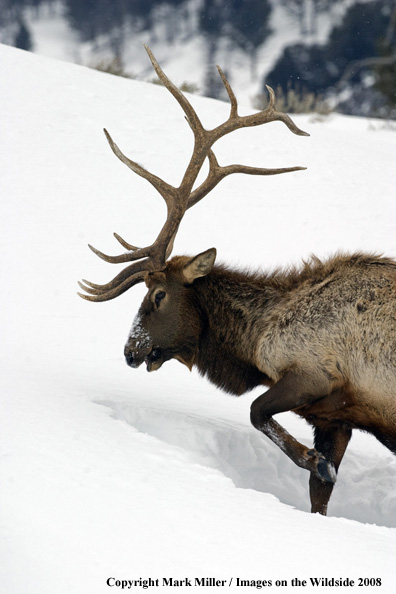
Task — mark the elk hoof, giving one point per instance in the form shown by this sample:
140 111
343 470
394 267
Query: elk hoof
325 470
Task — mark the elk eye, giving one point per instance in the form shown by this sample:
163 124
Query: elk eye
159 297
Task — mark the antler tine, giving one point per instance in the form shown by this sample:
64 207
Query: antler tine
217 173
131 270
159 184
234 122
130 256
230 92
271 115
265 116
113 292
125 244
129 276
282 117
184 103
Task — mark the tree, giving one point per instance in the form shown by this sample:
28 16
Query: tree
307 12
382 64
302 68
249 25
243 22
23 39
211 17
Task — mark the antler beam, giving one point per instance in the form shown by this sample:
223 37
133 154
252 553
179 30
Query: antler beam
179 199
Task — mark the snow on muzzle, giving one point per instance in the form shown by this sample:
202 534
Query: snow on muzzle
139 348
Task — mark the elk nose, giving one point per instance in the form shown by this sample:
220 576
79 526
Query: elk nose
130 359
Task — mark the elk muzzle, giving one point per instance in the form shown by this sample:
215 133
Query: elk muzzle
153 357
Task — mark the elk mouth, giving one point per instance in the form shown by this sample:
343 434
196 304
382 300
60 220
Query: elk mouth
154 359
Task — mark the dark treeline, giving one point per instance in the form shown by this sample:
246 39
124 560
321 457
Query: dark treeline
360 53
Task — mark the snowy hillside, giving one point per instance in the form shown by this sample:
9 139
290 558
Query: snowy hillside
176 39
109 473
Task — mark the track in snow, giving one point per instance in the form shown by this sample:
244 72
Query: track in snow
251 461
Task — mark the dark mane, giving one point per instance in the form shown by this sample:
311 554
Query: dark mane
224 350
313 270
227 372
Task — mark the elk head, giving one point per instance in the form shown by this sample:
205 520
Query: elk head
167 325
159 332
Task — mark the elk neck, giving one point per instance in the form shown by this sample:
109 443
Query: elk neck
233 307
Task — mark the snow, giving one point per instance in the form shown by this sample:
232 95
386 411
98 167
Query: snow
109 472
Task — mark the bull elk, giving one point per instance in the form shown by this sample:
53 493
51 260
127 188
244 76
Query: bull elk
321 337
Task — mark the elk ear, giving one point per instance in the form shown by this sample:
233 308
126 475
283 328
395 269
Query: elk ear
201 265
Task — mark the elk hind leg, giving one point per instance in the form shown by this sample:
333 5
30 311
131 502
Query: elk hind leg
331 441
292 391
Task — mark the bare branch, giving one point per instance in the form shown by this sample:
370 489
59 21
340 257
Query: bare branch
356 65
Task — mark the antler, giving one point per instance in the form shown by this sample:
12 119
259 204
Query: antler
178 200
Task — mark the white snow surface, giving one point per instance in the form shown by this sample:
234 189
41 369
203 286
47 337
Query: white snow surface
108 472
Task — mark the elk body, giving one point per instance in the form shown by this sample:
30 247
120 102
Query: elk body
322 338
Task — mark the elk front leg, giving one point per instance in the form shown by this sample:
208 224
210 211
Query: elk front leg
292 391
332 441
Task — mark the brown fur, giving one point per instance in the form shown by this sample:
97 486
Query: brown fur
322 337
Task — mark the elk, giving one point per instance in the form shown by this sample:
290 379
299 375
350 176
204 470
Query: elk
321 337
